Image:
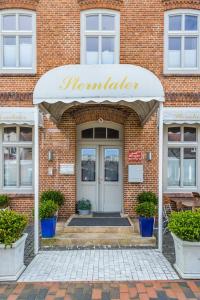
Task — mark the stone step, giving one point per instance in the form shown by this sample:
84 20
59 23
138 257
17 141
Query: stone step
70 240
99 229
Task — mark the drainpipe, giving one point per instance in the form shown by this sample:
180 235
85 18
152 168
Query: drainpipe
36 180
160 180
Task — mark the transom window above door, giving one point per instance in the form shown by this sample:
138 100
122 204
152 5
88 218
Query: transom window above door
100 133
18 41
182 41
100 31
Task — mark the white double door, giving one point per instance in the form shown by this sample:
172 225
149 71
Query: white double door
99 177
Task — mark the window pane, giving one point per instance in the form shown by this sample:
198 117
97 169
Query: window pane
111 164
100 133
92 50
189 167
112 133
10 166
190 53
25 134
25 58
9 51
173 167
92 22
25 22
175 23
174 53
87 133
88 164
26 168
191 22
107 50
9 22
174 134
108 22
9 134
189 134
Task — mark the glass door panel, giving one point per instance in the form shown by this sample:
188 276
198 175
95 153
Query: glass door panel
88 164
111 164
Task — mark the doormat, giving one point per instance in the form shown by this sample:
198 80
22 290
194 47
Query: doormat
106 215
99 222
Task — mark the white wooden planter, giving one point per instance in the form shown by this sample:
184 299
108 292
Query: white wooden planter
187 258
12 260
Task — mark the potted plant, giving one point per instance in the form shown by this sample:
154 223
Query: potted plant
147 197
185 230
84 206
12 243
47 211
146 212
4 201
56 196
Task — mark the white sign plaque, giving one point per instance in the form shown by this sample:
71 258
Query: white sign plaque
67 169
135 173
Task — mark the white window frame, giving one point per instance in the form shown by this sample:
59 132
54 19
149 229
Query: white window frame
181 33
17 33
18 144
181 145
100 33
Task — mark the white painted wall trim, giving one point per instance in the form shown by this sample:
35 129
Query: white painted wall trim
160 181
36 181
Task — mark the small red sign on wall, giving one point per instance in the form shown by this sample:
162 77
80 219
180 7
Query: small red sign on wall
134 156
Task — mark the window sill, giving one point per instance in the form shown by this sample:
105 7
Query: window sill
17 74
181 74
14 195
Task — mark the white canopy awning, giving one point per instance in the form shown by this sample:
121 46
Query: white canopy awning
181 115
127 85
17 115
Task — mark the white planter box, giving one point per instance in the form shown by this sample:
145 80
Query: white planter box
12 260
187 258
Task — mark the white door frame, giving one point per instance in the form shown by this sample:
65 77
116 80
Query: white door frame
96 143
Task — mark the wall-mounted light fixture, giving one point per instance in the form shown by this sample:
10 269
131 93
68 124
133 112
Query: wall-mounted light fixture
149 156
50 155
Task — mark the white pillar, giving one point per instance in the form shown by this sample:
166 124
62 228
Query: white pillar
36 180
160 180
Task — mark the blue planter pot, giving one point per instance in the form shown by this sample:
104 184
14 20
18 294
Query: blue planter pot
48 227
146 226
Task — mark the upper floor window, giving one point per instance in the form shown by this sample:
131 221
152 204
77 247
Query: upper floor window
182 41
17 39
100 31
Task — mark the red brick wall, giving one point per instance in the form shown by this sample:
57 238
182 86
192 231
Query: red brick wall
58 43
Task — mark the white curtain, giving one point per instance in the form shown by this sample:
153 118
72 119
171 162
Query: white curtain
174 58
25 51
92 57
189 172
190 58
107 57
173 172
9 57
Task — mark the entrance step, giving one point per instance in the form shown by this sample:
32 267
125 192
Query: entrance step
98 236
83 240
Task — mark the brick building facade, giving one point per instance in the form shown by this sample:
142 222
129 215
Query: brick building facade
56 38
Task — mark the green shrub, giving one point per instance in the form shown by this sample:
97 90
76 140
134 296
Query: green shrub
84 204
4 201
147 197
12 225
185 225
53 195
146 209
47 209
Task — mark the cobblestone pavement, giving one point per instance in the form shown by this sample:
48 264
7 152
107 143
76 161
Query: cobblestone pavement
150 290
95 265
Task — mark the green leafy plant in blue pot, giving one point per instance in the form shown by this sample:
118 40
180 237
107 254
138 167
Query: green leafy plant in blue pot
146 212
47 211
